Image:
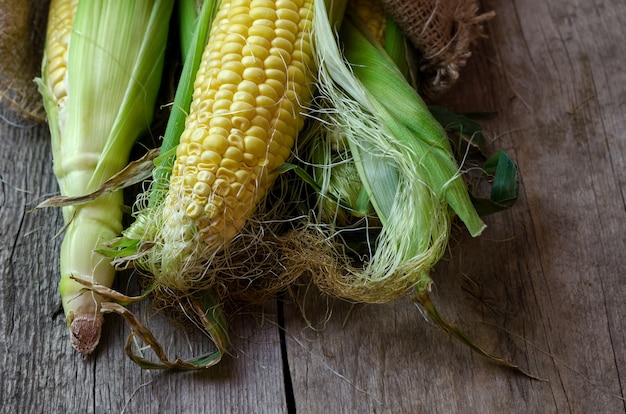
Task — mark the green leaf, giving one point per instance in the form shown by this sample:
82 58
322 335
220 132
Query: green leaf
363 202
406 116
120 247
470 129
396 47
300 172
113 93
182 99
505 185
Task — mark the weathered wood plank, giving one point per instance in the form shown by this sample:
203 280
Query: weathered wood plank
543 286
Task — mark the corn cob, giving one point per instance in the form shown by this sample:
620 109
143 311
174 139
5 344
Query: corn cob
250 93
98 89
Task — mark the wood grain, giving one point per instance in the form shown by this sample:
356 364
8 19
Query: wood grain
543 286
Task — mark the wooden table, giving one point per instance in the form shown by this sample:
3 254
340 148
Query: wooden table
543 287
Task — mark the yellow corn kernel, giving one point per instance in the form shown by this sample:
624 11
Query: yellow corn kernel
372 13
60 19
250 94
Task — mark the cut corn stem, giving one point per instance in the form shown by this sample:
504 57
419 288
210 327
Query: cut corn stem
99 92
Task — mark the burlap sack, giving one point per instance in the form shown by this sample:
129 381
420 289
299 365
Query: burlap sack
443 32
22 36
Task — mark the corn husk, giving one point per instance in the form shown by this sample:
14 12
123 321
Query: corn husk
113 76
374 121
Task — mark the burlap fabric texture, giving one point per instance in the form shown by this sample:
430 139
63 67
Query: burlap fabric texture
22 36
443 31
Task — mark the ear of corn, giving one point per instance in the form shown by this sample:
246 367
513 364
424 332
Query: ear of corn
401 158
54 71
204 308
244 117
100 77
250 94
60 20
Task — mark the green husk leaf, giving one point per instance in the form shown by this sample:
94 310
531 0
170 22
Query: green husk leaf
396 46
182 98
407 117
363 202
505 185
212 319
470 129
300 172
136 115
188 13
135 172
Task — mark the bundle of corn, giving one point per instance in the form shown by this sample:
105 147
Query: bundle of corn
21 46
443 31
99 89
380 163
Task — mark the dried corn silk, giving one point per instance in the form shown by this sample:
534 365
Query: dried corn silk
22 35
443 31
